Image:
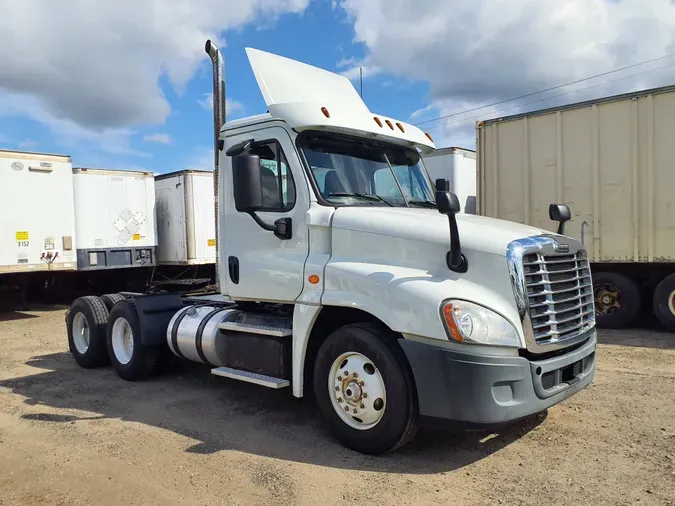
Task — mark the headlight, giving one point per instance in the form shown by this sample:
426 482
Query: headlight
467 322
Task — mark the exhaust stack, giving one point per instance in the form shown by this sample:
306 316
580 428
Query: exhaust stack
218 121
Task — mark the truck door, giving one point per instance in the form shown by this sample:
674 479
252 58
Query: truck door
256 263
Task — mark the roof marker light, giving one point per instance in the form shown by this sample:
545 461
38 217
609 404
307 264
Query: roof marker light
325 112
429 137
400 127
377 120
389 124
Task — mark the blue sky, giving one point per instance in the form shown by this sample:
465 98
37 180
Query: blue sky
321 36
122 83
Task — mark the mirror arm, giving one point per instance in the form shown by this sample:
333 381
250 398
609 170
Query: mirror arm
455 258
561 228
282 228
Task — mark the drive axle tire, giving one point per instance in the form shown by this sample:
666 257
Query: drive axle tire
617 300
364 389
110 299
129 356
86 324
664 302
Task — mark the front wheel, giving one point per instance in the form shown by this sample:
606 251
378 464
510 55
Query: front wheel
364 389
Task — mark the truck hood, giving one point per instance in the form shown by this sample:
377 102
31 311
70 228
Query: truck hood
476 233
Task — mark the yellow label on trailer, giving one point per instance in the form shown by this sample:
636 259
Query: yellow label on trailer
211 242
22 236
137 237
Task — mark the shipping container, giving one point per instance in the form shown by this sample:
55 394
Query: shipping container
114 218
611 160
186 218
458 166
37 216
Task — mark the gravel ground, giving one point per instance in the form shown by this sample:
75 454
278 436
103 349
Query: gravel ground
72 436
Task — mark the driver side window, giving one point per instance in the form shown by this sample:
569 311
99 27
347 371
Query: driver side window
277 179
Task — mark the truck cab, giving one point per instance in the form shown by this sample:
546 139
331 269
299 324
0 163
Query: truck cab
346 274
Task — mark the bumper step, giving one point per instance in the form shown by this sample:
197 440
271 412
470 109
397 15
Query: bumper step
250 377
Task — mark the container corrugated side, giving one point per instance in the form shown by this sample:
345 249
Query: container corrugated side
37 216
610 160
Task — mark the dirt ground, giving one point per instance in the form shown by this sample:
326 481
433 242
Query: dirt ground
72 436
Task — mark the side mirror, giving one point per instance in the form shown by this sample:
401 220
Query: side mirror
248 194
560 213
448 204
247 183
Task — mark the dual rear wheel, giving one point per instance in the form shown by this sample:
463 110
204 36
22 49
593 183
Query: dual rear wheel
106 330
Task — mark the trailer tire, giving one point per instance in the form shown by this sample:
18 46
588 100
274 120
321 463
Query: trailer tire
664 302
131 359
617 300
86 323
110 299
380 402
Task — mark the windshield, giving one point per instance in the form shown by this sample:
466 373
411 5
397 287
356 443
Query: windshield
359 172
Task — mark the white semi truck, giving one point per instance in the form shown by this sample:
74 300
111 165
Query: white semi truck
342 275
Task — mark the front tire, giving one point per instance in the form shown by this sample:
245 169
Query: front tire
131 359
86 325
365 390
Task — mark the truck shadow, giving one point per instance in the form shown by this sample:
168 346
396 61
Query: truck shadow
221 414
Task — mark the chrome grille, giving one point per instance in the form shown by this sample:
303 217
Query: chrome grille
559 295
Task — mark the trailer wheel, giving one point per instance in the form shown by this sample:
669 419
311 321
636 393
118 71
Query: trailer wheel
86 325
617 300
110 299
130 358
365 391
664 302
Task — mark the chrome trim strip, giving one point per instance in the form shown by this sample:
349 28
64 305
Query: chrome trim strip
548 246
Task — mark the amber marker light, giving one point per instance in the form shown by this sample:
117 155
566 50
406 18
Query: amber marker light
449 316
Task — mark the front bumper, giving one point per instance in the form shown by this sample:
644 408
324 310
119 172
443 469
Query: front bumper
488 389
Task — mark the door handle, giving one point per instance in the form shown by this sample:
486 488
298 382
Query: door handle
233 268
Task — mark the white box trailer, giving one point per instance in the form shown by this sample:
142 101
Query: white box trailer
114 218
458 166
37 215
186 218
612 161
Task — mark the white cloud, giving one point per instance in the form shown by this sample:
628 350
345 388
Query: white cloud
231 106
67 132
473 53
158 138
28 143
101 71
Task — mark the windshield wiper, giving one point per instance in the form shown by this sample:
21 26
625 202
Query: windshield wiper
424 203
376 198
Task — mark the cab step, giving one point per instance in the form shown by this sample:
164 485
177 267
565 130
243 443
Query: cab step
251 377
249 328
